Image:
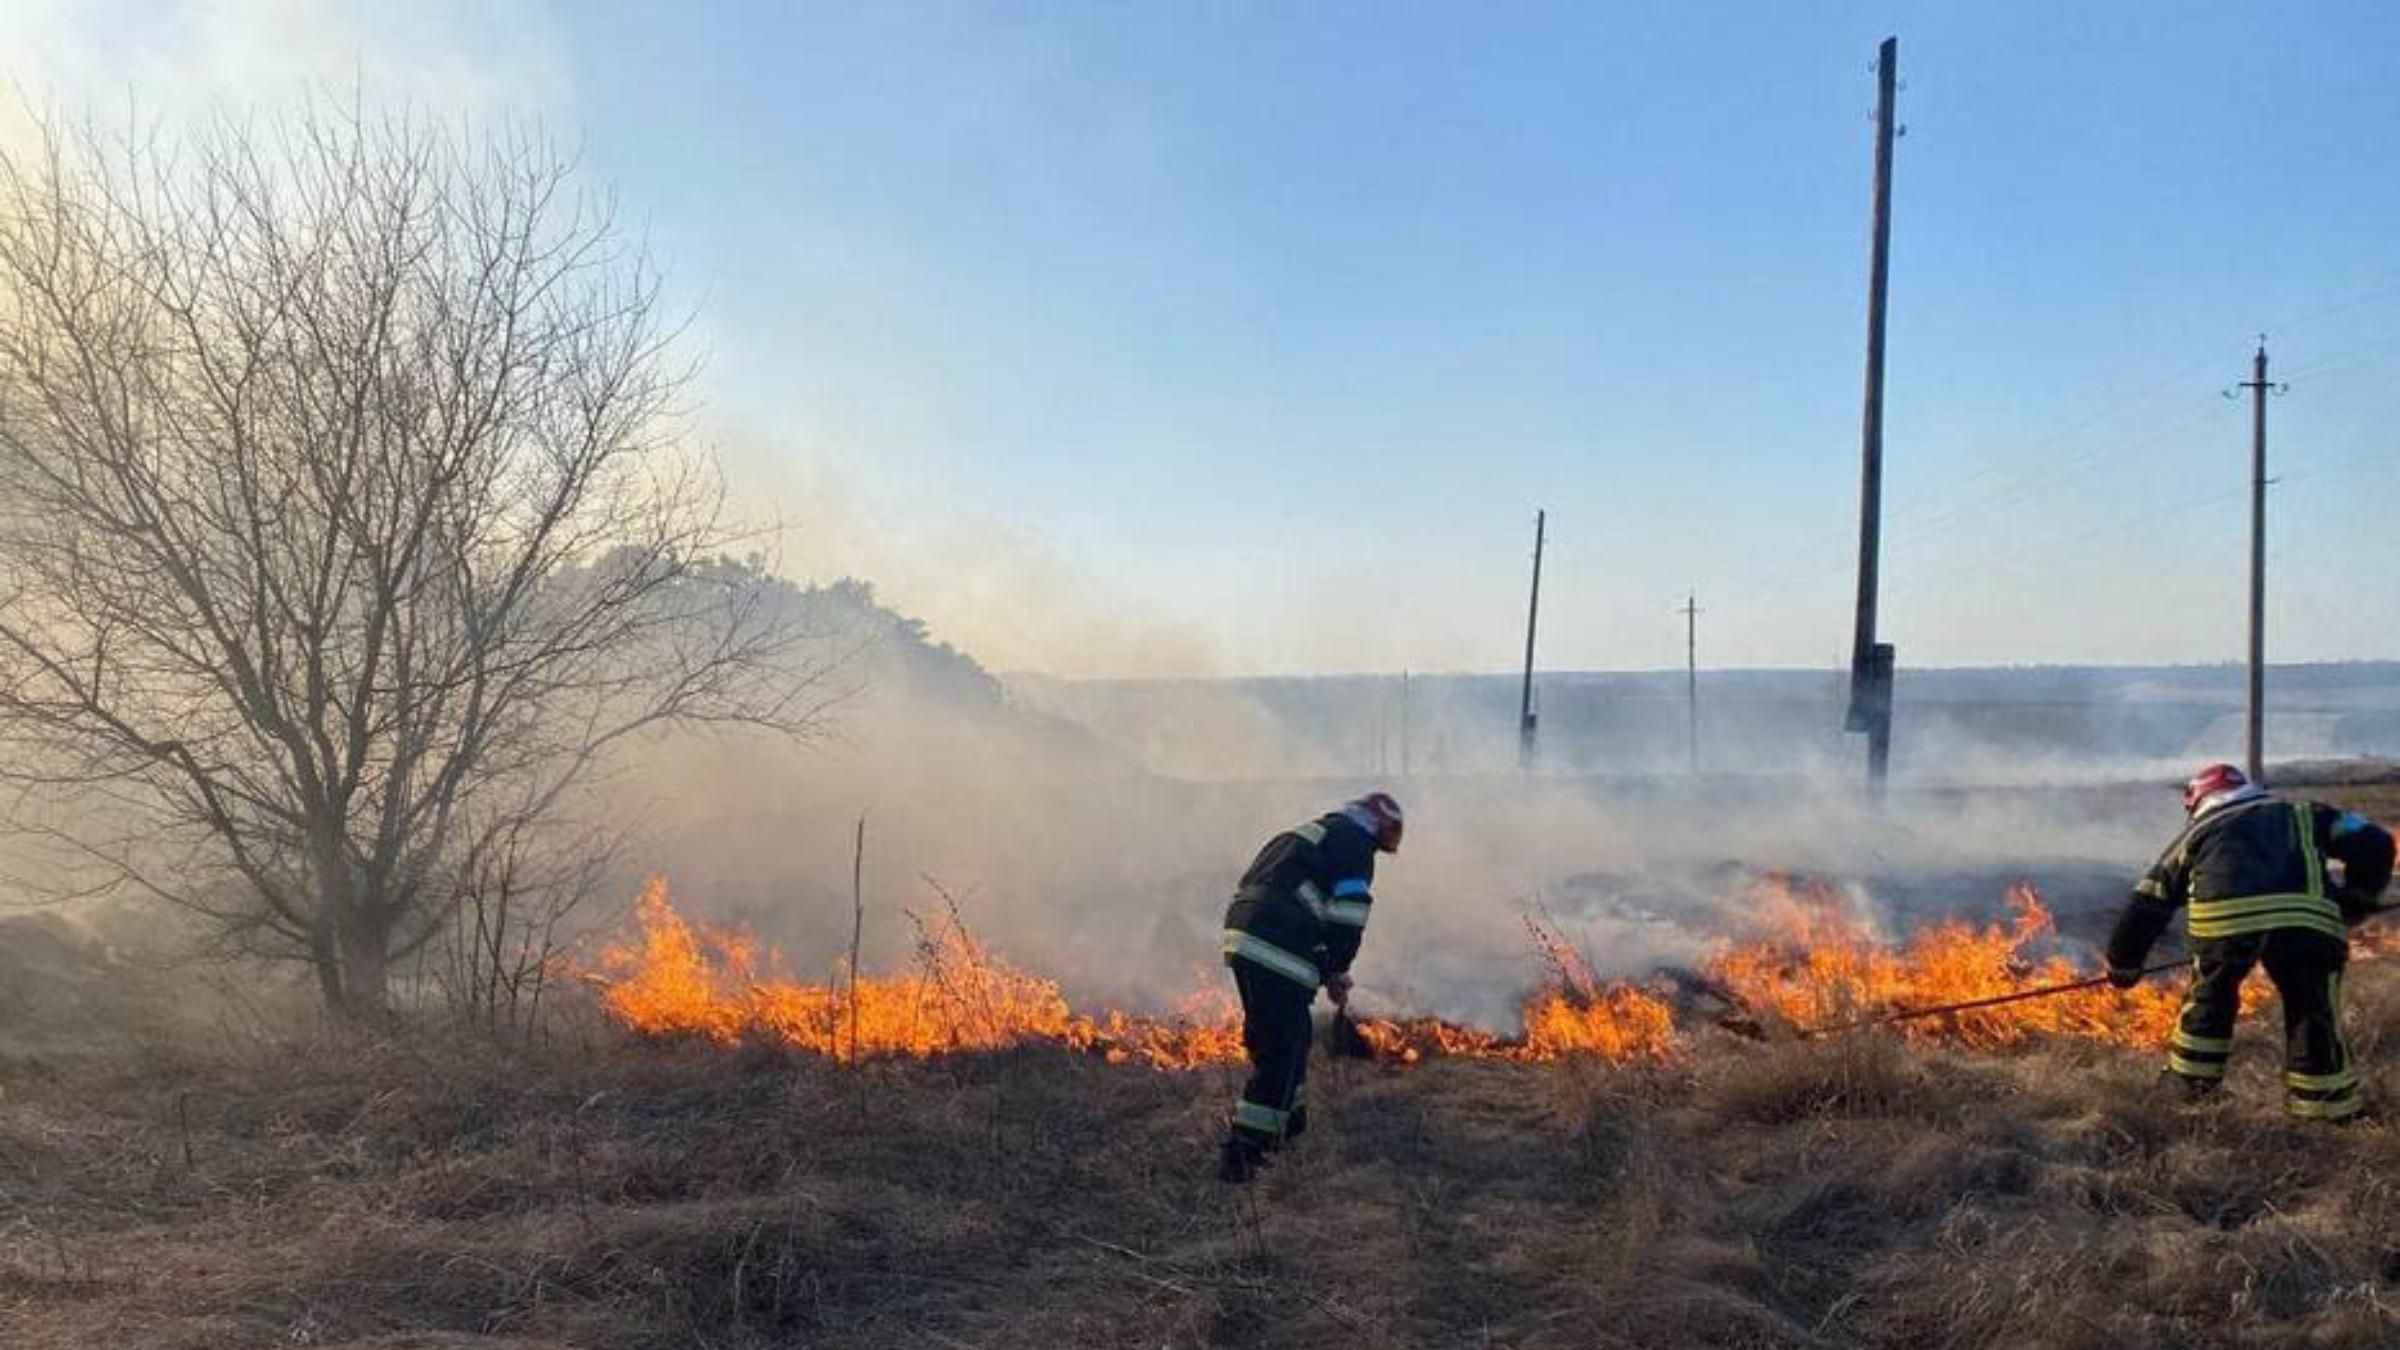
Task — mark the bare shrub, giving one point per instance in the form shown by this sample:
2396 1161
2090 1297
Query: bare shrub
492 965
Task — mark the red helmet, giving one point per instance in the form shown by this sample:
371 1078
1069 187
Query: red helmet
1380 815
2209 782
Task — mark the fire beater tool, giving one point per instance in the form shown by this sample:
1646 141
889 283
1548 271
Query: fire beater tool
1346 1040
1911 1014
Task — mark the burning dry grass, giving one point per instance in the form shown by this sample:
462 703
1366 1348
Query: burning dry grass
673 979
1807 963
1958 1184
1818 968
1865 1191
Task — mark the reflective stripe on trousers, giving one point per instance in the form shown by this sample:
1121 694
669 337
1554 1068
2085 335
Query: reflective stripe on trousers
1257 950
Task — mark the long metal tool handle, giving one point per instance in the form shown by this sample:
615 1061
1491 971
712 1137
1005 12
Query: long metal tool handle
1911 1014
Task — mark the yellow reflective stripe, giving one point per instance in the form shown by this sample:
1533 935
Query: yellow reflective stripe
1311 897
2150 888
2292 912
2206 1045
2250 904
1313 832
2193 1068
2337 1108
1351 913
1252 1115
2322 1082
2266 923
1261 952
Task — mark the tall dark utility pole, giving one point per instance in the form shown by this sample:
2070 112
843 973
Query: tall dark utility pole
2259 389
1871 661
1691 670
1533 614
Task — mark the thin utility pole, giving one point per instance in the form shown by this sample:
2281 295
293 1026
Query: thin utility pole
858 924
1383 739
1533 615
1404 724
2259 389
1691 670
1871 661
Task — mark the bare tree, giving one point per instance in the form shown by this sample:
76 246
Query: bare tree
344 523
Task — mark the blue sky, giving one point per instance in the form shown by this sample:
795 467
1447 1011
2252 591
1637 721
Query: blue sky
1247 338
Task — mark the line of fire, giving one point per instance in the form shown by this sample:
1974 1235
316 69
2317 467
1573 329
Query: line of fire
1810 964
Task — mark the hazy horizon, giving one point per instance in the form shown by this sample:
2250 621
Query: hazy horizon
1821 671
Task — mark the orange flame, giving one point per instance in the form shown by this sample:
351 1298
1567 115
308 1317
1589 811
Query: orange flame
1812 965
1822 968
677 980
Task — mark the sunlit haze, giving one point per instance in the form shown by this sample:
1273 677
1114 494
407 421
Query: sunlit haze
1248 339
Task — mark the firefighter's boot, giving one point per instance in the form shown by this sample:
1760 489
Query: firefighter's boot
1239 1161
2187 1090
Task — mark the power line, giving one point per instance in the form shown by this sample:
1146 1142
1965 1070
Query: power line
2039 550
2359 299
2018 469
1919 530
2027 462
2029 475
2347 355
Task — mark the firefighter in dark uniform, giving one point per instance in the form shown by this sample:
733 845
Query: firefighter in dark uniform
1295 925
2257 876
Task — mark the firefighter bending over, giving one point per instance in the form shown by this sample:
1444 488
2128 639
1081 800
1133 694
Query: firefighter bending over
1295 924
2255 872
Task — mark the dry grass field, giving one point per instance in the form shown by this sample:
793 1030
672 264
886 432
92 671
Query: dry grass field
599 1191
1855 1192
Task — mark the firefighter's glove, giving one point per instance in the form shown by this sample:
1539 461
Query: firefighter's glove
2124 977
1337 988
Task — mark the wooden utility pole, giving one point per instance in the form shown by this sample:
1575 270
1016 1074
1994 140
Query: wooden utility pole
1404 765
2255 761
1871 661
1533 614
1691 671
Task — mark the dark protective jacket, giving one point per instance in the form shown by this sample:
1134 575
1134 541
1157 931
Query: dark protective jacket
1302 907
2254 865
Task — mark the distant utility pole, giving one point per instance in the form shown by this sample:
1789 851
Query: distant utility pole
1404 724
2259 389
1691 670
1533 615
1871 661
1383 739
